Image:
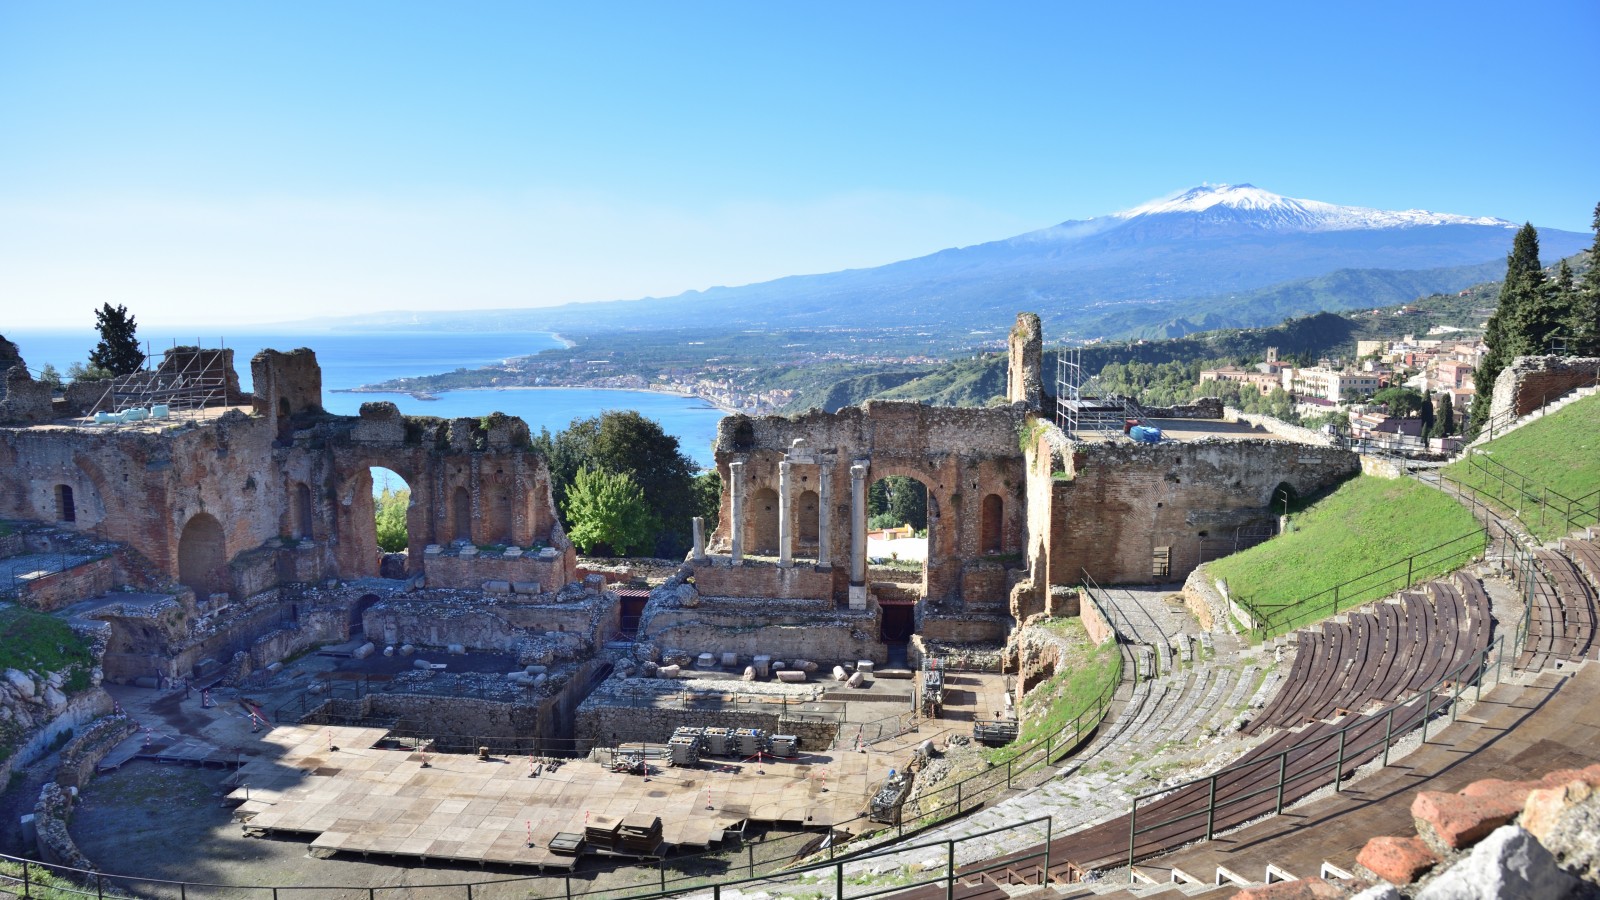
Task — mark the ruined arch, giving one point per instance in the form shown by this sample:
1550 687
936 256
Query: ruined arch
498 516
203 556
991 525
807 517
461 515
300 522
358 610
761 534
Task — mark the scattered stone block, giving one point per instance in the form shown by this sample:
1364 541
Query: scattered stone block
749 673
792 676
497 587
365 650
855 680
455 649
422 664
805 665
839 673
432 550
864 665
705 661
469 551
1456 821
274 668
1507 864
549 553
535 670
1566 820
1400 860
525 587
407 649
763 666
668 671
512 553
729 660
389 650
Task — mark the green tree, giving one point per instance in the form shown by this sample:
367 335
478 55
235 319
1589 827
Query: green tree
390 516
609 514
118 350
80 372
625 442
50 376
708 498
1584 325
1515 328
1401 401
1444 417
896 500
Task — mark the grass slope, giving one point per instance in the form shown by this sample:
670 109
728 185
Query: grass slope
1078 683
1556 455
1352 538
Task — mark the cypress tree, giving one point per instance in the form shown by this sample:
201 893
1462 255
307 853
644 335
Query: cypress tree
1444 417
118 350
1585 301
1522 321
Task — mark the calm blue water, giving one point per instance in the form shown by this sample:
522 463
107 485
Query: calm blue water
349 360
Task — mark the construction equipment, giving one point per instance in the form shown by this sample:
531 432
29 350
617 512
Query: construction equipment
890 798
785 745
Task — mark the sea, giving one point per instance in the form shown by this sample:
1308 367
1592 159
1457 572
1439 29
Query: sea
352 359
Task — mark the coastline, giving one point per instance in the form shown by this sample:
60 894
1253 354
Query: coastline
433 395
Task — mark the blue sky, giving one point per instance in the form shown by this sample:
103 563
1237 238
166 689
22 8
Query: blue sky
228 163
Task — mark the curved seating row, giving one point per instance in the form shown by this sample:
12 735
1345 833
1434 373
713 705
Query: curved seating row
1563 615
1381 655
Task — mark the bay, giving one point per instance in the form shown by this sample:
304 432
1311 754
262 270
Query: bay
352 359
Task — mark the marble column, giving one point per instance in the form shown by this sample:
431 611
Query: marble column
699 539
825 516
736 492
785 517
858 536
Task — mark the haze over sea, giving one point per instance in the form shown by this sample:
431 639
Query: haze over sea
351 359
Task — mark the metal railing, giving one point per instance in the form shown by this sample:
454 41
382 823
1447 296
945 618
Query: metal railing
1287 787
1522 496
1271 619
19 578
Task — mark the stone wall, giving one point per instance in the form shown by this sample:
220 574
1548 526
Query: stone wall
1024 349
765 579
1096 624
782 629
1532 381
966 629
1280 428
961 455
1119 502
610 724
52 592
473 572
81 754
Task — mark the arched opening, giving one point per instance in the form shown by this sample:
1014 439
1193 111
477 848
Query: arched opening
66 508
283 407
285 421
991 527
807 513
202 556
357 623
391 504
461 515
761 530
300 501
897 520
497 511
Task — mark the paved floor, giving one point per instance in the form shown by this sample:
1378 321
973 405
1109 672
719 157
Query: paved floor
1192 430
336 784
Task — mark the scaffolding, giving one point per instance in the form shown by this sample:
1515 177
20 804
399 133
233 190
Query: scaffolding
188 380
1083 405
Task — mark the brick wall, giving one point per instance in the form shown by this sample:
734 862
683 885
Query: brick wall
52 592
1531 381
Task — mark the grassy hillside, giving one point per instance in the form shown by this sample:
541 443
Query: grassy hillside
1544 471
1352 539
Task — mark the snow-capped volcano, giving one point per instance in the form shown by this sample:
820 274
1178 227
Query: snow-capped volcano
1248 204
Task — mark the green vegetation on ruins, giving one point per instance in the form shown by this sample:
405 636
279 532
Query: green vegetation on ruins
1082 676
37 643
1362 527
390 515
1523 471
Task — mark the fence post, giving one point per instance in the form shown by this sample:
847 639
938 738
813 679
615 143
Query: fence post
958 797
569 887
1409 560
1338 766
469 890
1388 732
1008 761
1283 771
838 881
950 870
27 890
1049 824
99 889
1133 833
1211 808
1427 703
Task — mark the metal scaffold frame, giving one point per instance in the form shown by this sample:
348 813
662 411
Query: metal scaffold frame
199 381
1082 403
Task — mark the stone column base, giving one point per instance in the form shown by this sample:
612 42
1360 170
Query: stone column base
858 596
